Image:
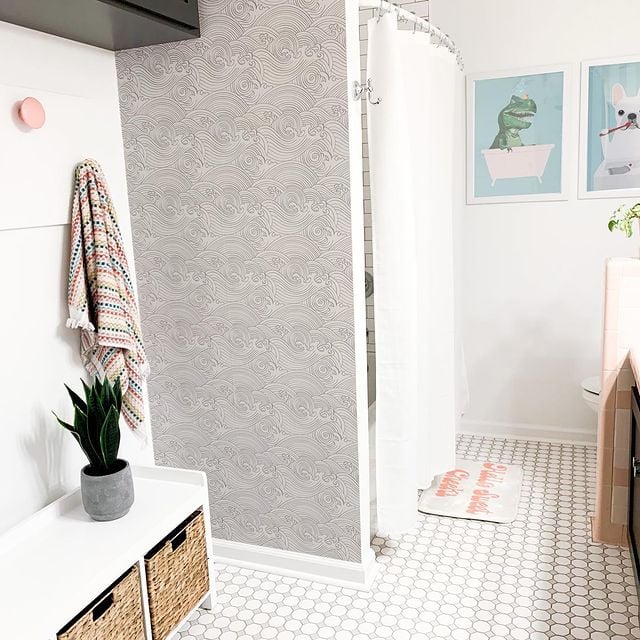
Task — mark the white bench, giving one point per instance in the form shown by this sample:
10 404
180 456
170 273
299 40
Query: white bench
56 562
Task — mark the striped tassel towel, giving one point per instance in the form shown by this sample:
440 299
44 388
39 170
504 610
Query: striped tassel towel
102 302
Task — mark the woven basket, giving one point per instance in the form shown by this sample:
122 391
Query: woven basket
117 613
177 575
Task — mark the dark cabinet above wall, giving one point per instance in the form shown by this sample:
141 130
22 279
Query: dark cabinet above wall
110 24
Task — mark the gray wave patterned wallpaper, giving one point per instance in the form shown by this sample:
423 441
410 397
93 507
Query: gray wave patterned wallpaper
237 153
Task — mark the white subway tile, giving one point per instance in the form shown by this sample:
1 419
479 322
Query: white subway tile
419 8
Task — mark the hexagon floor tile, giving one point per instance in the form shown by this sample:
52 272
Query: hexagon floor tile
539 578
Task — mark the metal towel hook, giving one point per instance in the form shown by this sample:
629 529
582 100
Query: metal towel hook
362 90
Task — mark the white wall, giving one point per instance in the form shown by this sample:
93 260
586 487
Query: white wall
40 461
533 272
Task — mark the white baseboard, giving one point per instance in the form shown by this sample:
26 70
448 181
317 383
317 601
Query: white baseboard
539 432
352 575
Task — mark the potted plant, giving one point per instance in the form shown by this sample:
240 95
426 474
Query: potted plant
105 483
622 218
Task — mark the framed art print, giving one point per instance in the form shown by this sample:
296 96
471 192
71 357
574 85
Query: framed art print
516 127
610 128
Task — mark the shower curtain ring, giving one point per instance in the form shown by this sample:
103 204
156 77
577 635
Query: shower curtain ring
380 10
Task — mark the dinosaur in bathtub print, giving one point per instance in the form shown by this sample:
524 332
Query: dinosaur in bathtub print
512 119
509 157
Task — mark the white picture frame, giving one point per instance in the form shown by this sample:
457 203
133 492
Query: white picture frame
587 185
560 189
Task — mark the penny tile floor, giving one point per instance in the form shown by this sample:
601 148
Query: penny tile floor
538 578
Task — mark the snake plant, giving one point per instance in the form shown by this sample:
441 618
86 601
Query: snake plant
96 425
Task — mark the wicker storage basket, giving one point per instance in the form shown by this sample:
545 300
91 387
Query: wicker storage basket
116 613
177 575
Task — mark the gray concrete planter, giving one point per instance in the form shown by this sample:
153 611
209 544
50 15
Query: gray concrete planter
107 497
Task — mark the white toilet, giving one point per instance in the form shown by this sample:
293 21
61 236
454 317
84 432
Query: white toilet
591 392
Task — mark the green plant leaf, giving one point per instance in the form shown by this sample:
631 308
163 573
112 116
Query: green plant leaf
64 424
623 217
81 425
79 441
105 394
76 399
109 394
76 431
100 404
95 418
117 392
87 389
76 435
110 437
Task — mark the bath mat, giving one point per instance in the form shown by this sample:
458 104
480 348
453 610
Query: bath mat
475 491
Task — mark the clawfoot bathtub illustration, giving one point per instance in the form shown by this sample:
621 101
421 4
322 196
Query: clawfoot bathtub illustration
521 162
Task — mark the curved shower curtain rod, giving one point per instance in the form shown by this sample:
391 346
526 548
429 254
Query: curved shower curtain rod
421 23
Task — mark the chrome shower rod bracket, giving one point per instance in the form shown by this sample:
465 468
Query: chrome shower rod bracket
360 91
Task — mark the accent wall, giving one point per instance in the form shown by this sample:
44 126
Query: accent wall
237 148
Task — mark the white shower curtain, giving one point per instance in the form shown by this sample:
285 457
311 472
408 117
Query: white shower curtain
411 155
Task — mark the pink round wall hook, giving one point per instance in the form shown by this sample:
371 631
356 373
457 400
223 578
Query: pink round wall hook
31 112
